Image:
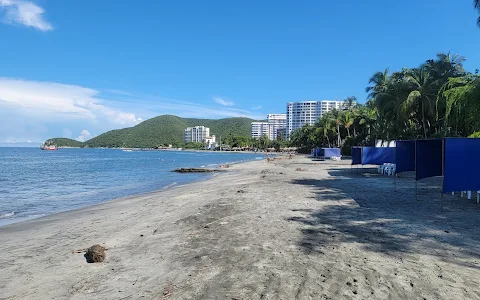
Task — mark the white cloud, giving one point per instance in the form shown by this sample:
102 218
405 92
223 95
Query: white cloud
257 107
222 101
195 110
25 13
43 99
84 136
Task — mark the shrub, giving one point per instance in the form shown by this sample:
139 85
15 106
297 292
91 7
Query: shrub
476 134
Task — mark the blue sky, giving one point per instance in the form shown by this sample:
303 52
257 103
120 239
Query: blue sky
68 67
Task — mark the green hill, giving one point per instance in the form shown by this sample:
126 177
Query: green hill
64 142
163 130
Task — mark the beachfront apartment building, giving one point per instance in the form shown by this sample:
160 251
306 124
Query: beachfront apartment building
304 113
275 122
197 134
258 129
281 133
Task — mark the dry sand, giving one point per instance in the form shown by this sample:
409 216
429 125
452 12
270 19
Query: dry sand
287 229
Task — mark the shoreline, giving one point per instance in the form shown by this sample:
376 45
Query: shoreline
125 198
286 228
202 177
171 149
99 206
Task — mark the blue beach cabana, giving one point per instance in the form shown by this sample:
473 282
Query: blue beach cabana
456 159
372 155
462 165
326 152
330 152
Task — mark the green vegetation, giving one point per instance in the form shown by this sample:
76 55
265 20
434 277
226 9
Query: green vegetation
437 99
194 146
239 141
161 131
476 134
63 142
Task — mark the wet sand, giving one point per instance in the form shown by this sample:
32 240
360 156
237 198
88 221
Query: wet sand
284 229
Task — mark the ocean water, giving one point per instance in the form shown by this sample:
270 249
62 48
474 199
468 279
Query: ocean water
35 183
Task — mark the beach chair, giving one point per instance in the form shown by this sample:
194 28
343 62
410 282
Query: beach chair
380 169
391 169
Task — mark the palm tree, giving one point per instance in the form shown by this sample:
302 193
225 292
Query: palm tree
347 120
446 65
336 118
355 116
461 93
378 83
424 89
350 103
326 129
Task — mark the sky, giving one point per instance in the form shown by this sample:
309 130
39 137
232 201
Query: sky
79 68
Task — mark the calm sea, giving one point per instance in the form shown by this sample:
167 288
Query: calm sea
35 183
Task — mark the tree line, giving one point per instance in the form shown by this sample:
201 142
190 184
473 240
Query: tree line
439 98
263 142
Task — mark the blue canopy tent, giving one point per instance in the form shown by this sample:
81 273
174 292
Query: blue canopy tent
372 155
405 156
330 152
326 152
462 164
378 155
456 159
428 158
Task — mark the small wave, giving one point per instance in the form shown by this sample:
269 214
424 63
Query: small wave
170 185
202 166
7 215
35 216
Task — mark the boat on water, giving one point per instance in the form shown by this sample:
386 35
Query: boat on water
48 147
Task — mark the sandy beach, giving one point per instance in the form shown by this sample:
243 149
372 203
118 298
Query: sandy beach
283 229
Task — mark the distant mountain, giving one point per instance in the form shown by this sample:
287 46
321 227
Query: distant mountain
161 130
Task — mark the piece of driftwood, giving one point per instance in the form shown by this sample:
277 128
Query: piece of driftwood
195 170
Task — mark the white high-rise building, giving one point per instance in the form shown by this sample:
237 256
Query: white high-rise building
197 134
259 129
304 113
276 122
